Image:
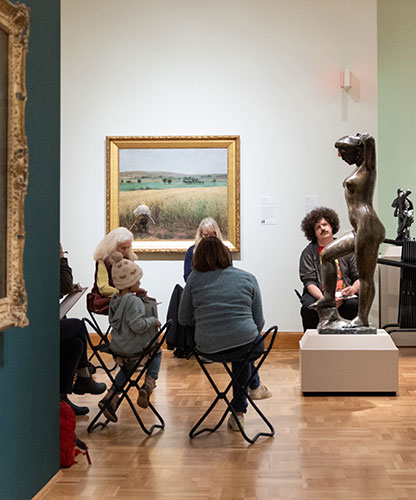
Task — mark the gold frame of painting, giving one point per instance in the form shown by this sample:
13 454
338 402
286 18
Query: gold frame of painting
162 246
14 21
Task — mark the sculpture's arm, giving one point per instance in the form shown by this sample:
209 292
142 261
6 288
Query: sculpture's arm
369 151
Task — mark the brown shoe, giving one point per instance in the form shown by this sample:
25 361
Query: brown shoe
109 407
145 391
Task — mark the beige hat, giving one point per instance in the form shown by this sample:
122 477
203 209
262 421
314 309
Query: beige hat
125 272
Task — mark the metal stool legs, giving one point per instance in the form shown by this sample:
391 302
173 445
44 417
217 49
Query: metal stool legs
222 395
131 380
103 336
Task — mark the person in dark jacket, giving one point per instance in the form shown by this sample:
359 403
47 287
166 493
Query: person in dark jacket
319 227
73 350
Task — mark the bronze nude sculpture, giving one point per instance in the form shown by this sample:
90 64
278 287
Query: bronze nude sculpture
365 238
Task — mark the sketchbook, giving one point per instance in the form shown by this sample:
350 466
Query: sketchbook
68 302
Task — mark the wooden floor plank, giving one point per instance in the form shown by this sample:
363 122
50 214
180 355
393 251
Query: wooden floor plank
325 447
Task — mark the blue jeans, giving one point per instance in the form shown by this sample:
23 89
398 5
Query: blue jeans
235 357
152 371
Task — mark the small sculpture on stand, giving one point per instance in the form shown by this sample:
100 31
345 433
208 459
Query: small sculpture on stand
403 210
365 238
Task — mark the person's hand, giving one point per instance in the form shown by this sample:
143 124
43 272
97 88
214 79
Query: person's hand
61 251
158 323
347 291
338 301
141 292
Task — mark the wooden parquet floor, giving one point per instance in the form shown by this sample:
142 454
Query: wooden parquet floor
349 447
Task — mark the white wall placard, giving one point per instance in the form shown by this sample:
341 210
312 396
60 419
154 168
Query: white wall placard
268 210
311 202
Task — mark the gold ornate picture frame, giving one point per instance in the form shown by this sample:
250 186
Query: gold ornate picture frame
162 187
14 35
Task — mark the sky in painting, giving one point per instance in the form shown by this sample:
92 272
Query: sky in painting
186 161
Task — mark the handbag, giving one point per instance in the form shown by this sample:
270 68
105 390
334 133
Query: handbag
98 304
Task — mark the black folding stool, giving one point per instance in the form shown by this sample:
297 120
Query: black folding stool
142 361
104 336
249 358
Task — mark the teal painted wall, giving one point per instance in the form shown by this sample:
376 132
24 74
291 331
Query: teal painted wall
29 357
397 105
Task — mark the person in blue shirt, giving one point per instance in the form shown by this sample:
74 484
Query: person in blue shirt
207 227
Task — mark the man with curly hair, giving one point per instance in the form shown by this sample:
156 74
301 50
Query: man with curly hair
319 227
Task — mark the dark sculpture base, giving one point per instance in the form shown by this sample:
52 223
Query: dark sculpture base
331 322
348 330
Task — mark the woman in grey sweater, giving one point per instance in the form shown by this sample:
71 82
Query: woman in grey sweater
224 305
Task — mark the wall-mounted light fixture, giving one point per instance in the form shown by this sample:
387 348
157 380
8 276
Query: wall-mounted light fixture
345 78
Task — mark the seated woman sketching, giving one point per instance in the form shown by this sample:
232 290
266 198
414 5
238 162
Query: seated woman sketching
118 240
73 350
131 332
319 227
224 304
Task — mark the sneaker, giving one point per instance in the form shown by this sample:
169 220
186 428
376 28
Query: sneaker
78 410
232 424
261 392
88 385
109 407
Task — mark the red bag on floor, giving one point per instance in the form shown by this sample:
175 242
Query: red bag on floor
70 445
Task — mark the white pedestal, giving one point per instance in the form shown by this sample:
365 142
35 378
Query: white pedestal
348 363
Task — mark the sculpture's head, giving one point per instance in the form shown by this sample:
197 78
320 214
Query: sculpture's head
351 148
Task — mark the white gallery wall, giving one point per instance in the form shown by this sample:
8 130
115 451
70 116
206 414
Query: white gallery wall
266 70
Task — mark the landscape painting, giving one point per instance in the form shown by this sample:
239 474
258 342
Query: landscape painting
161 188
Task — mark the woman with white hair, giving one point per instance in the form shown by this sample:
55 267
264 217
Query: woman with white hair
207 227
118 240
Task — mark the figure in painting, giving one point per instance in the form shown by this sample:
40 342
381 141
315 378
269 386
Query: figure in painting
403 210
367 234
143 217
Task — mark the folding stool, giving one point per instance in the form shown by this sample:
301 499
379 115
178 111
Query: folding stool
141 362
222 395
104 336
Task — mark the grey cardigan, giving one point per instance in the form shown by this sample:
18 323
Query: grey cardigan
225 307
310 269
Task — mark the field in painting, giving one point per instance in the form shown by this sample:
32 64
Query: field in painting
176 211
